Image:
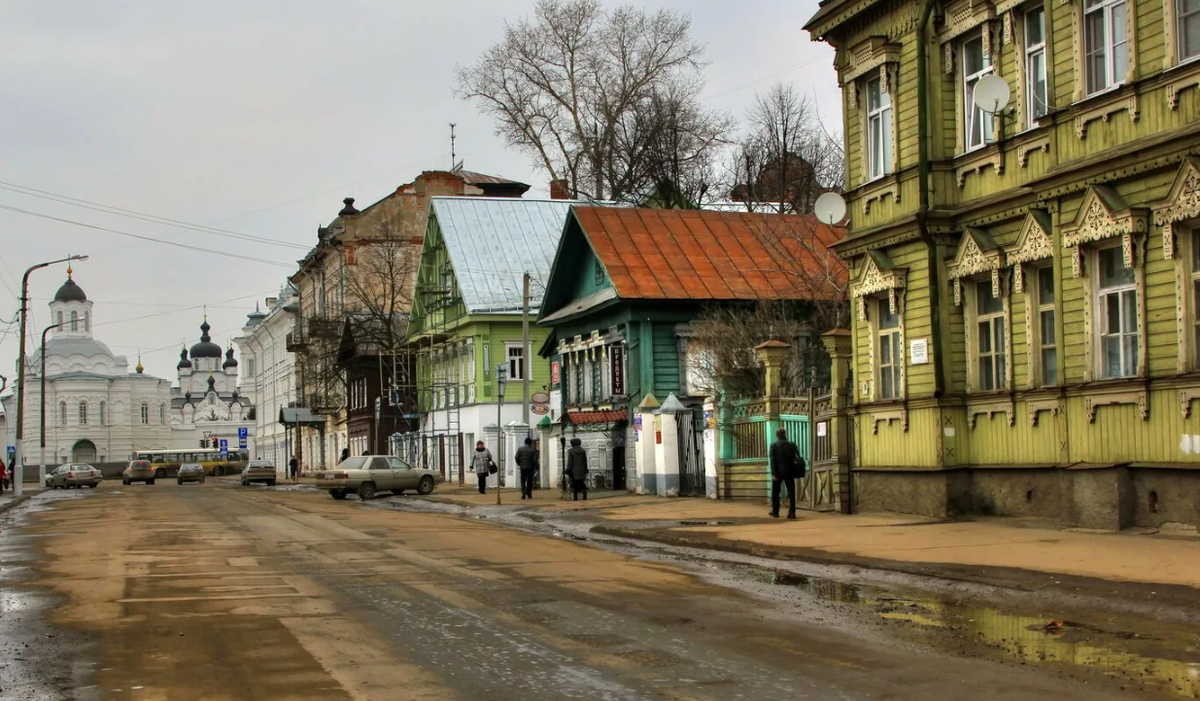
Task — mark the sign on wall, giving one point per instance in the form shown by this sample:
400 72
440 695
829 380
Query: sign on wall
616 368
918 351
554 373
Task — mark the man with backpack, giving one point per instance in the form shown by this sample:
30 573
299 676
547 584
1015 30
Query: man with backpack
786 466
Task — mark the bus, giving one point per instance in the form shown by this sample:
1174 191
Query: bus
167 461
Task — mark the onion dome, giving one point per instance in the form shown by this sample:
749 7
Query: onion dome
212 384
230 362
205 348
70 292
139 367
183 360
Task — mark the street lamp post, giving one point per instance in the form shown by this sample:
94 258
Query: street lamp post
501 381
42 415
19 461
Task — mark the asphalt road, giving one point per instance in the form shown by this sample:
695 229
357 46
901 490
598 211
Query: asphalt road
214 591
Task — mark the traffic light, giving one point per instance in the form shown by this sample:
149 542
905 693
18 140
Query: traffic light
203 443
216 443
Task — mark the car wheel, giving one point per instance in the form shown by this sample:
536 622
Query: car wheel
366 491
337 493
398 492
201 480
425 486
93 486
245 483
150 481
270 483
125 482
179 481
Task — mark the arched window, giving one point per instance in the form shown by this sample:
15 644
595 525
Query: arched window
103 408
145 413
83 413
62 413
60 318
87 321
74 321
162 414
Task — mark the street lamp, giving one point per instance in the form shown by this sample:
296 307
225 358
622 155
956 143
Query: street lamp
42 416
19 458
501 381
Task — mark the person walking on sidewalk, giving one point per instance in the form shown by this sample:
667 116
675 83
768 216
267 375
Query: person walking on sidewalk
294 468
482 465
527 462
577 468
786 466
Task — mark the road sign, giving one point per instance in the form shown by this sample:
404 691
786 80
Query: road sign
242 443
540 398
224 446
243 432
540 409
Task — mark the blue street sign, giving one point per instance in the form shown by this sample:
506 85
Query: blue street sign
224 446
243 432
241 442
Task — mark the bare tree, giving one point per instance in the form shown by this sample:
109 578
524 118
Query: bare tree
786 158
566 86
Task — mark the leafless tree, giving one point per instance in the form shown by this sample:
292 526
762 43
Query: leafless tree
786 158
567 86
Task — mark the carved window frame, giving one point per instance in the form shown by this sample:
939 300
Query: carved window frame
1102 217
971 318
1013 31
1131 49
963 18
1176 215
873 58
881 280
1034 250
1171 31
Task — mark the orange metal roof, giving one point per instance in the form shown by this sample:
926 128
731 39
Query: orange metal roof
706 255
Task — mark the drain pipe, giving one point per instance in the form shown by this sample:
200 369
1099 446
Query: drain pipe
923 196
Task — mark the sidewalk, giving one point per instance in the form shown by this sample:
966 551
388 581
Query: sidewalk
875 539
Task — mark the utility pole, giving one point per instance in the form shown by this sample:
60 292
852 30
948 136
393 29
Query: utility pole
501 382
526 358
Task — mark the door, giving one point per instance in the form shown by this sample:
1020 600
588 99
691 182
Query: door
381 475
691 456
403 476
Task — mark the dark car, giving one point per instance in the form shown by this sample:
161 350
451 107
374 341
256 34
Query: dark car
138 471
190 472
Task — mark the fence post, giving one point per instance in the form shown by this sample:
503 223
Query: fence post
772 354
838 345
644 439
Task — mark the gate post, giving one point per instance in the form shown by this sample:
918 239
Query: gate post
772 355
667 449
838 345
644 439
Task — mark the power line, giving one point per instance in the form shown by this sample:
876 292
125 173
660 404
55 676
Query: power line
173 311
768 76
151 239
152 218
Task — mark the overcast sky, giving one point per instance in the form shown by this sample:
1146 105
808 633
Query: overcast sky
258 118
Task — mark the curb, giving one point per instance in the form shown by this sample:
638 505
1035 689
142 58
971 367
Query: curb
14 502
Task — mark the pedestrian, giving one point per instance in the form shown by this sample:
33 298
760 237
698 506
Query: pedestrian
345 454
3 477
577 467
786 466
482 465
294 468
527 462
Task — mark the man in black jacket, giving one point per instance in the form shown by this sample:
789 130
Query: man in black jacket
786 466
527 462
577 468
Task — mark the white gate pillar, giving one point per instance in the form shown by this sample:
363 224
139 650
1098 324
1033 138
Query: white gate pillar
667 449
644 445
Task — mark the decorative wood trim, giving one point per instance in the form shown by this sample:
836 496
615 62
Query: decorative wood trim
1054 405
1181 203
868 56
890 186
1104 214
991 155
1040 144
1170 43
1183 307
977 253
1105 111
889 415
1191 80
1186 396
1114 397
878 275
1034 242
990 406
964 16
1132 61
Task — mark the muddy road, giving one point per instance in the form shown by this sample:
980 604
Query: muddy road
217 592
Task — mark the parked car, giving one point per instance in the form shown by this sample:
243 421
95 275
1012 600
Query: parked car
259 471
74 475
368 475
190 472
138 471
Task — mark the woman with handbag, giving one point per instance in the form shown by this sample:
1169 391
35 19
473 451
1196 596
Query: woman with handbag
482 465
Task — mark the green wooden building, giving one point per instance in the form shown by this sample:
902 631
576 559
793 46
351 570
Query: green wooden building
1026 280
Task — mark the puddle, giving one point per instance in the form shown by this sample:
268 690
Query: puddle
707 523
1153 654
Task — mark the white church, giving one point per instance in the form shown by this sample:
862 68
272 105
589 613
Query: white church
99 412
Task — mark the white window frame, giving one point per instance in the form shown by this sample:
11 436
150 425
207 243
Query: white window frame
1038 325
1102 331
1192 295
145 414
62 413
970 110
518 365
997 354
83 413
1032 52
74 321
879 129
1113 78
103 410
893 338
1181 18
162 414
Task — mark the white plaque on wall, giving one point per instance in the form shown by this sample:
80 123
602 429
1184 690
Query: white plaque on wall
918 351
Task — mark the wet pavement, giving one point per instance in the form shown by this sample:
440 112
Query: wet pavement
219 592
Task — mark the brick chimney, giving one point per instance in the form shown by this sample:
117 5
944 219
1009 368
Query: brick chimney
558 189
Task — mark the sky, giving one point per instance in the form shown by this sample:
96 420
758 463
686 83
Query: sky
257 118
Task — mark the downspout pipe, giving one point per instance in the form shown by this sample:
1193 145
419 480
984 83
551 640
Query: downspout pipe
922 216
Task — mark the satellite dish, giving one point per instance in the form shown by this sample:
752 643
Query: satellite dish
830 208
992 94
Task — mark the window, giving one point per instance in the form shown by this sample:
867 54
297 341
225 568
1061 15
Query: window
879 130
1116 308
162 414
989 343
1104 47
62 413
516 365
597 273
87 321
250 367
145 413
103 411
74 321
60 318
1187 23
578 393
975 65
1047 331
597 380
83 413
1035 64
890 355
1196 296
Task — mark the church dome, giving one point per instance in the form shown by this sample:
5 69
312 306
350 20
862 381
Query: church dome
70 292
183 360
205 348
230 362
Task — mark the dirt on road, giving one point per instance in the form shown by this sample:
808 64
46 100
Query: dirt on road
217 592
